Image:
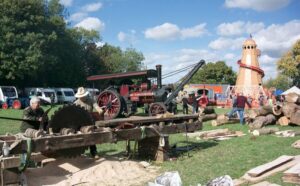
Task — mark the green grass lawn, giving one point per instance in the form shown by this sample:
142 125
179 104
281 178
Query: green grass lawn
208 158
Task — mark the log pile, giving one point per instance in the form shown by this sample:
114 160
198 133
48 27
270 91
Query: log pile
287 113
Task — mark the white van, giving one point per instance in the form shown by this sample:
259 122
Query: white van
65 95
94 93
8 92
45 94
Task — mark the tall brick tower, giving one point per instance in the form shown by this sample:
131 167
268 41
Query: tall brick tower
249 79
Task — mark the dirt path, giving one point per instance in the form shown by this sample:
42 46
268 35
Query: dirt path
85 171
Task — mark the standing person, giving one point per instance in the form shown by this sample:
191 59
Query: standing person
261 99
194 103
85 101
241 102
34 113
234 108
185 108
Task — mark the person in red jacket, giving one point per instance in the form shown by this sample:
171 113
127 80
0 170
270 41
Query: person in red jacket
241 102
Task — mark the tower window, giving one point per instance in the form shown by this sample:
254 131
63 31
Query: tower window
248 47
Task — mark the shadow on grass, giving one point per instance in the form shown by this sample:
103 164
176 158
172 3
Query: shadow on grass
176 151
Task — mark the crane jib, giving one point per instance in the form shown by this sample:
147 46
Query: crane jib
185 80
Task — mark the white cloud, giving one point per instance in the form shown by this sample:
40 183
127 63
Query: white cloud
78 16
276 39
66 2
127 37
258 5
92 7
169 31
166 31
121 36
91 23
239 28
196 31
100 44
226 43
153 59
268 65
177 60
229 56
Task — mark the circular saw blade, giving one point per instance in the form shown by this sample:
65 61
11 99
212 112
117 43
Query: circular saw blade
69 116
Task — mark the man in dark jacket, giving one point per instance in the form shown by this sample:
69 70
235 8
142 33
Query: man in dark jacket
34 114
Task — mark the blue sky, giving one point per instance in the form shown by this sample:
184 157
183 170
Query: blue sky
177 33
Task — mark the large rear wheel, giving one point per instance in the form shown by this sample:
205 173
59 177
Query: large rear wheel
110 101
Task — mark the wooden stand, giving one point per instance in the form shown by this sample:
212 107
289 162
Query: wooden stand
154 148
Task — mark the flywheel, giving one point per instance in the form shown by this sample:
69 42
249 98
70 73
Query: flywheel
69 116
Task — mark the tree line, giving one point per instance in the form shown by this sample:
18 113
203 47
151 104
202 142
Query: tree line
38 47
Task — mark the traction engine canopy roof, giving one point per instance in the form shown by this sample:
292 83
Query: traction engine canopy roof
137 74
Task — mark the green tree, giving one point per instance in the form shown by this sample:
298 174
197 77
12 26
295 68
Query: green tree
23 37
289 64
117 60
218 73
279 82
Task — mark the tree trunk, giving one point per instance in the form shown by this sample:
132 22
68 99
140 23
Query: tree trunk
292 98
265 110
283 121
263 131
223 119
289 109
208 117
261 121
207 110
295 118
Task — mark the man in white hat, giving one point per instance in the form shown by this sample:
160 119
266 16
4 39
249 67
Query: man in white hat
85 101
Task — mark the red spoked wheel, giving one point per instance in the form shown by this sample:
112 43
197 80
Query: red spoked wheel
110 102
16 104
157 108
4 106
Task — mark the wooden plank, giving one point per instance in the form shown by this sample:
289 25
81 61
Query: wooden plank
293 171
257 171
281 168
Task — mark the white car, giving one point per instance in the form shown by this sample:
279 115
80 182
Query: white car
46 95
65 95
8 92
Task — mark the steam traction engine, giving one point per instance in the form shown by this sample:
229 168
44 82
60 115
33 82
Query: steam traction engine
125 98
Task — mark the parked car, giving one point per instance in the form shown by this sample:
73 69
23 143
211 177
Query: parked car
9 97
46 95
7 92
65 95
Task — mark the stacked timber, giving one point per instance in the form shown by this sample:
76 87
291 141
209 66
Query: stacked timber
284 114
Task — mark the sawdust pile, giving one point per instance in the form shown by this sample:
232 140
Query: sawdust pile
85 171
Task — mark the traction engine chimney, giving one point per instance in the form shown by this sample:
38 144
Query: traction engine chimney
158 69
